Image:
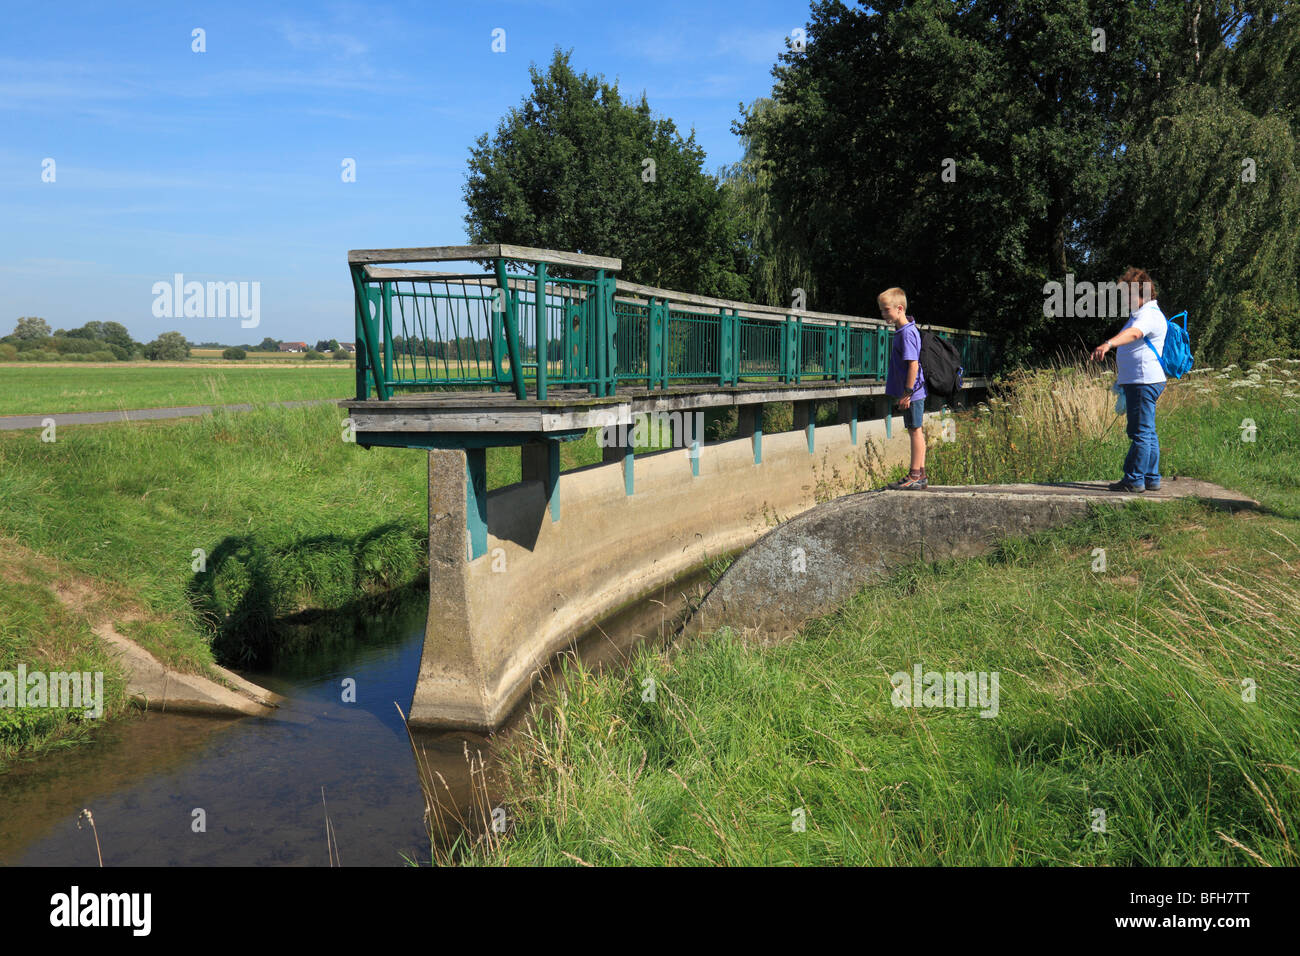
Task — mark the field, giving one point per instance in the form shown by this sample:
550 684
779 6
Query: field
49 388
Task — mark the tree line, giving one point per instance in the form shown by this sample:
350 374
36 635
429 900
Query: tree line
32 340
973 153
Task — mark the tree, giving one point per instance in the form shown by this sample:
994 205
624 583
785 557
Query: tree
115 333
269 345
576 168
778 263
962 150
168 347
327 345
234 354
1213 226
30 327
92 331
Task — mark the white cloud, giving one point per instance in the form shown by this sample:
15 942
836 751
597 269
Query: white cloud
308 37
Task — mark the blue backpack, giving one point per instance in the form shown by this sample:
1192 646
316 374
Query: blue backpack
1176 359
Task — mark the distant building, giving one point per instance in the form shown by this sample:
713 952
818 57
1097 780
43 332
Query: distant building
293 346
348 346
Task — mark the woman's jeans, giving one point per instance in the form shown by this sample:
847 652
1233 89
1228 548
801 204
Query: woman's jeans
1142 464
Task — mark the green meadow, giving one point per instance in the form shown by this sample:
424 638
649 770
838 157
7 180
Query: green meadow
38 389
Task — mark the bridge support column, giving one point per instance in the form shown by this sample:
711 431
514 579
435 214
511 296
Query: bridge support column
805 417
848 415
540 461
476 500
885 410
751 426
451 689
688 432
496 619
618 447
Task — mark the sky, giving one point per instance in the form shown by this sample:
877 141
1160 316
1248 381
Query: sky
226 165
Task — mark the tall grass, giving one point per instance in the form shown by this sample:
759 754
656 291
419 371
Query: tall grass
1160 696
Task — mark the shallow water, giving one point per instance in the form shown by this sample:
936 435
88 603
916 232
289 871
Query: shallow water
258 781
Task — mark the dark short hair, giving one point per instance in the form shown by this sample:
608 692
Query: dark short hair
1140 276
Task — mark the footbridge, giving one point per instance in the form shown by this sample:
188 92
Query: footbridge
505 346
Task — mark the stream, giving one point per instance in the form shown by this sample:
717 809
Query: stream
181 790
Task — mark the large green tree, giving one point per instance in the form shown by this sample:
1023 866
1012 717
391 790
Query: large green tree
1209 201
31 327
168 347
577 168
779 261
115 333
970 151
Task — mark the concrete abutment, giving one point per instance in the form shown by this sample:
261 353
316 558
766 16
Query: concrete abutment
498 614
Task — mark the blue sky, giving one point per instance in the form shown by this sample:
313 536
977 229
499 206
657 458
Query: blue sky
225 165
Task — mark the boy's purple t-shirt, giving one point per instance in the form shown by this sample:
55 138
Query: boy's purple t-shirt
905 346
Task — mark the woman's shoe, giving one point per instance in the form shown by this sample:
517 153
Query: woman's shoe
1125 487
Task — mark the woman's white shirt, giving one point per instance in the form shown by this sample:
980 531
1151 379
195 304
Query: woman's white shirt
1137 364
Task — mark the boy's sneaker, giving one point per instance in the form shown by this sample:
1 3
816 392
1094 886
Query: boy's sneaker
1153 486
1126 487
912 482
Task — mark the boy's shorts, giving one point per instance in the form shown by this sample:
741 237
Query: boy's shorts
914 414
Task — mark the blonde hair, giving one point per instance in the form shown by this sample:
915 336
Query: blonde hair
892 297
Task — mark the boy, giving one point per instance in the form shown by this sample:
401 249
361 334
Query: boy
906 381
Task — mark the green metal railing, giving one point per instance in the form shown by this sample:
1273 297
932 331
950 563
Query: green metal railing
528 326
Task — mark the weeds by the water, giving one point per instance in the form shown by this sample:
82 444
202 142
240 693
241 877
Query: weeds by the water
331 838
90 821
456 828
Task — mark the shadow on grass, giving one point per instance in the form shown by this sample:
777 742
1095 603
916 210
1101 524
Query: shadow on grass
262 598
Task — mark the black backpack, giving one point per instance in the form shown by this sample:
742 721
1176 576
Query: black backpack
941 363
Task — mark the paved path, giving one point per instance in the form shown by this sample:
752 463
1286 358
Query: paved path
10 423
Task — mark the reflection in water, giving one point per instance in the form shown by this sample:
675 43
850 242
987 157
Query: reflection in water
258 781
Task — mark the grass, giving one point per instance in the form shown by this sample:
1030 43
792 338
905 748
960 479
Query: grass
1119 691
43 630
232 530
38 389
1123 692
220 521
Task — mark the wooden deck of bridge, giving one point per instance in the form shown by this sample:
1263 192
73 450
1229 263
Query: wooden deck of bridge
569 410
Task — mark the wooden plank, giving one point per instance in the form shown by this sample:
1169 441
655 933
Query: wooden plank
516 282
483 420
481 252
755 311
747 309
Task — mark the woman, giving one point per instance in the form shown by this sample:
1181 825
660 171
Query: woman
1141 377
